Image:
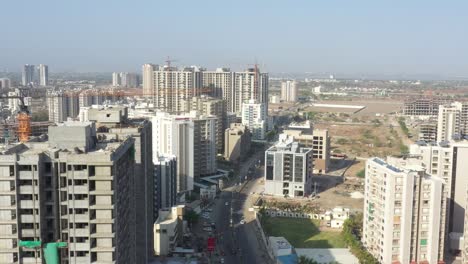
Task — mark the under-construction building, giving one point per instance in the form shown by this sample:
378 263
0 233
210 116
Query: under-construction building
423 106
72 187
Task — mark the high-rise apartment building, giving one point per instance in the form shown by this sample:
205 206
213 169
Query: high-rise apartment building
192 139
423 106
171 86
221 83
206 105
113 124
124 79
62 104
43 74
28 74
452 121
74 188
289 91
116 79
5 83
288 169
250 85
148 79
254 116
166 182
402 213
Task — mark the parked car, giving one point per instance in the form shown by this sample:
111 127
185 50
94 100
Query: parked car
242 222
207 229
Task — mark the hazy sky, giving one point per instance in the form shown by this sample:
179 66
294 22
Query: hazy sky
349 36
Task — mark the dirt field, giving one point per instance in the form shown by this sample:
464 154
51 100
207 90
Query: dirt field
372 107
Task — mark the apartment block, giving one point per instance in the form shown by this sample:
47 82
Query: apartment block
209 106
221 83
74 188
288 169
316 139
192 139
27 75
124 79
43 74
168 230
237 142
165 183
254 116
289 92
62 105
112 123
449 125
148 79
171 86
402 213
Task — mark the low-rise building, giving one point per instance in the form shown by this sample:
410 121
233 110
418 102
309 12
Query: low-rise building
316 139
237 140
168 230
288 169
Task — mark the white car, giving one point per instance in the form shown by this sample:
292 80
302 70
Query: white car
242 222
227 203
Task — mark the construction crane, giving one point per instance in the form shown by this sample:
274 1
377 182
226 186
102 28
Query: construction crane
23 116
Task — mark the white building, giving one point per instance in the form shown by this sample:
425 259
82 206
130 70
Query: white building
43 73
192 139
288 169
147 79
289 91
168 230
402 213
452 121
5 83
116 79
254 116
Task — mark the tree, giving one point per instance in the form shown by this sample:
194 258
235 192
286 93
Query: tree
305 260
191 217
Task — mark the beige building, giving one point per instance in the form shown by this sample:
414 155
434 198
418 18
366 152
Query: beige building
316 139
237 142
72 188
169 86
289 91
209 106
168 230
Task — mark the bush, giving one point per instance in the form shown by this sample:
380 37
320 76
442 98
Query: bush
361 173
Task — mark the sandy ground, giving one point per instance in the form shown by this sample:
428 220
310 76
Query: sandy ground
372 107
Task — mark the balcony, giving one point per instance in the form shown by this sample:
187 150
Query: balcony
78 246
30 233
25 175
28 204
29 219
80 232
76 203
27 189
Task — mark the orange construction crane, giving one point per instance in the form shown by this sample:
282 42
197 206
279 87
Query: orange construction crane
24 118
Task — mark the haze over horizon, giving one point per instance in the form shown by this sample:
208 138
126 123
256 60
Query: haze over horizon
353 38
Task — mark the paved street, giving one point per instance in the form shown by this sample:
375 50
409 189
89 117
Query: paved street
239 243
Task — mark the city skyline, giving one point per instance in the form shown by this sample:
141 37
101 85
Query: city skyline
363 38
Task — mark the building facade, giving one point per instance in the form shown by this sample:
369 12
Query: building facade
237 142
209 106
254 116
289 91
27 75
288 169
422 106
70 188
168 230
402 214
166 182
192 139
316 139
43 74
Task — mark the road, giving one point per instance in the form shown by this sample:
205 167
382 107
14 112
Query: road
239 243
